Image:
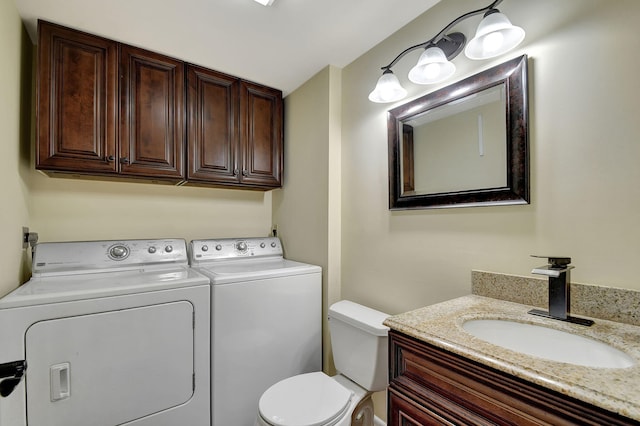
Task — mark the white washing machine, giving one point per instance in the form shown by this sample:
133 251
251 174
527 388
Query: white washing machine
266 321
107 333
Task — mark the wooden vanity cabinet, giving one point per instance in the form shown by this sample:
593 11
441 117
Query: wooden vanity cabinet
431 386
234 131
77 108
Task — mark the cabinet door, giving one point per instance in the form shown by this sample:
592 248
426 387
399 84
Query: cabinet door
151 114
261 114
76 101
402 411
212 126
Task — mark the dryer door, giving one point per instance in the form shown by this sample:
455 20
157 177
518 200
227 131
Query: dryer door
109 368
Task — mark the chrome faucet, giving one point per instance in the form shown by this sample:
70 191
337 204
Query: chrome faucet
558 270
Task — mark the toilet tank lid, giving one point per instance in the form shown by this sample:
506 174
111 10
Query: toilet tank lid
360 316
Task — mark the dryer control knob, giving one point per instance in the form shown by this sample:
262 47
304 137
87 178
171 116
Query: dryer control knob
118 252
273 245
218 247
262 245
205 248
241 246
168 249
152 249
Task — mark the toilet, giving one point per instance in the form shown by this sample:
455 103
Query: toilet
359 342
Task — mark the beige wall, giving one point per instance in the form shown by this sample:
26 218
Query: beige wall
14 162
307 208
70 209
584 163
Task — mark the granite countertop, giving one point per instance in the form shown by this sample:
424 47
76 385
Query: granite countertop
614 389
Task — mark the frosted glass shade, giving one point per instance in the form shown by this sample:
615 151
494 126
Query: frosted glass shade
388 89
432 67
495 35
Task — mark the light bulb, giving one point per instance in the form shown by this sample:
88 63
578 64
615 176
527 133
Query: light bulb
388 89
432 67
495 35
492 42
431 71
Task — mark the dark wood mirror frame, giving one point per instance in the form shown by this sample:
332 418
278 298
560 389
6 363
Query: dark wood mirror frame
513 74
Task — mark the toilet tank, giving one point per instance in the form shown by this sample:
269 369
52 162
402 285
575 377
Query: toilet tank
359 342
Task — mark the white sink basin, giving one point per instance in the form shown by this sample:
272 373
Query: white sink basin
548 343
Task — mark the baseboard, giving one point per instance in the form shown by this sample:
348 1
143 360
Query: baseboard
378 422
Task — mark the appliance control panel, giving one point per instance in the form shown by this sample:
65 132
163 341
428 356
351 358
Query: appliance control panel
84 256
234 248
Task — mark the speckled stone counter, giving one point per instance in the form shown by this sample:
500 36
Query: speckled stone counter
595 301
616 390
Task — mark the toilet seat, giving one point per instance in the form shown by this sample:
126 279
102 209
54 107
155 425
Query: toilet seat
311 399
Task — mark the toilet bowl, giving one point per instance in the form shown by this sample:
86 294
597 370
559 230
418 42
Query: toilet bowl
359 342
311 399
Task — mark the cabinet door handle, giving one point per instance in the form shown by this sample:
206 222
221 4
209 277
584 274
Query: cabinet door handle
245 173
111 159
124 160
235 172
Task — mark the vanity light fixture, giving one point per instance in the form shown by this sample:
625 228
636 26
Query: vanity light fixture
495 35
265 2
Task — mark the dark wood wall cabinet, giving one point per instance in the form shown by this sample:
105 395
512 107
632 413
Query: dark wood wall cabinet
431 386
77 107
110 110
235 130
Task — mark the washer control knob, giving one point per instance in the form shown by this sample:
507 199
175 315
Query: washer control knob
118 252
262 245
273 244
218 247
241 246
205 248
152 249
168 249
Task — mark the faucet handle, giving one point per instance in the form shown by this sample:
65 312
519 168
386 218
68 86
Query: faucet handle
555 262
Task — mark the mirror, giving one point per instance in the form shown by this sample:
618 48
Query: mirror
464 145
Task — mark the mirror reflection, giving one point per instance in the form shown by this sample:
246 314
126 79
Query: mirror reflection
458 146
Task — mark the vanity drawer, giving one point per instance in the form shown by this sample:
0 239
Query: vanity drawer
432 411
460 391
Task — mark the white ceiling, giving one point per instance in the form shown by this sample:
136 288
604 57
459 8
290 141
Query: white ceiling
281 46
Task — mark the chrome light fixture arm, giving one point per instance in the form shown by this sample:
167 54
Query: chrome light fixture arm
442 35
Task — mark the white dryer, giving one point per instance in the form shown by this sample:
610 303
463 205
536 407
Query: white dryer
266 321
107 333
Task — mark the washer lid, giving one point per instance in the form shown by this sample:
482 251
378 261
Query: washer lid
305 400
232 271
